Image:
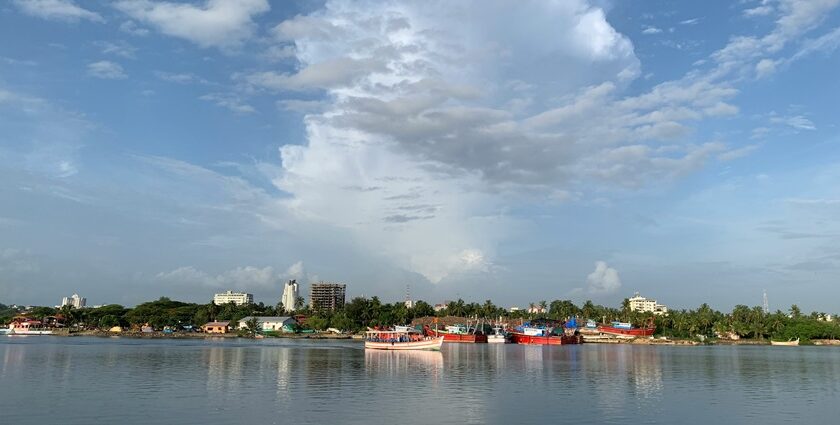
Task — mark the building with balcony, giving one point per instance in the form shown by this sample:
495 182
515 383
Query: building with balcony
646 305
238 298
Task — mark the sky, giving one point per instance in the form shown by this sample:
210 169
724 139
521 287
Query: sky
517 151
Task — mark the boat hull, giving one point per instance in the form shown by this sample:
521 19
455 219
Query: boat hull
521 338
635 332
496 339
19 332
785 343
432 344
466 338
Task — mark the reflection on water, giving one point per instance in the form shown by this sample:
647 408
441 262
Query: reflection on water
404 362
308 382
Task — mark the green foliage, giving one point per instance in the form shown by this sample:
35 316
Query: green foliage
253 326
318 322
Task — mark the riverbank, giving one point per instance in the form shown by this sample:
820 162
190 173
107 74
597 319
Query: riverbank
190 335
333 336
692 342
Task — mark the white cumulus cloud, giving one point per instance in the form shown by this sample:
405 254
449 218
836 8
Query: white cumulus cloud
603 280
213 23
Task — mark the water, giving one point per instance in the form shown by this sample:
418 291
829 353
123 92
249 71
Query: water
276 381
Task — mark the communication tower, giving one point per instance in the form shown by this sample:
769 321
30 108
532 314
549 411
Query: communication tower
766 304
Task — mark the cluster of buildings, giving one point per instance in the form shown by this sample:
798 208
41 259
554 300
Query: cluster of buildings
322 295
264 323
74 301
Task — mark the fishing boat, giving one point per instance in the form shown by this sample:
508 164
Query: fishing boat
626 329
590 328
545 332
403 339
460 333
788 343
498 336
519 338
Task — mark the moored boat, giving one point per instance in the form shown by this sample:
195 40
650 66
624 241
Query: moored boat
545 332
521 338
460 333
27 327
626 329
406 339
789 343
498 336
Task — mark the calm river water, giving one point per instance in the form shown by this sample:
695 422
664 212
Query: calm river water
275 381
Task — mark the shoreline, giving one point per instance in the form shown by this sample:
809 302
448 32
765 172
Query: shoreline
332 336
193 335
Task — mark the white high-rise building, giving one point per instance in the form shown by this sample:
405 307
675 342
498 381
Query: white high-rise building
74 300
238 298
642 304
290 295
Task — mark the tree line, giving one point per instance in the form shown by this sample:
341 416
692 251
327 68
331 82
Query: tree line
360 313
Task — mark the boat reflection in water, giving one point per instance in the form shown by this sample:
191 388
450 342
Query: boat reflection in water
404 363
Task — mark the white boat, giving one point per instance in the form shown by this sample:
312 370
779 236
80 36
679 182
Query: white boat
790 343
27 327
497 336
401 340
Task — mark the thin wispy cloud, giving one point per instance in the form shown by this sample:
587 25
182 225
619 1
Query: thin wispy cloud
57 10
106 70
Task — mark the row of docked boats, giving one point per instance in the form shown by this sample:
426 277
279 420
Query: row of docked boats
536 332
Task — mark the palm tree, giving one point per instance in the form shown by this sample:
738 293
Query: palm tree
588 309
488 309
543 305
69 313
253 326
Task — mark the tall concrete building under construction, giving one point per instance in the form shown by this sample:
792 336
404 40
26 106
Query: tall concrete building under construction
327 296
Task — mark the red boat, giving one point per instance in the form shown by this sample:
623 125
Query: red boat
473 338
625 329
521 338
459 334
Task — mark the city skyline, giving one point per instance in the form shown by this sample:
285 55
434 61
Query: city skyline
515 151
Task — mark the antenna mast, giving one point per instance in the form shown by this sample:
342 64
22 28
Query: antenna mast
766 304
408 302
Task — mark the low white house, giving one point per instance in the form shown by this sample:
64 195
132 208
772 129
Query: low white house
268 323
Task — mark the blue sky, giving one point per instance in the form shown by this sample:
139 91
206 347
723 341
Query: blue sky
517 151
